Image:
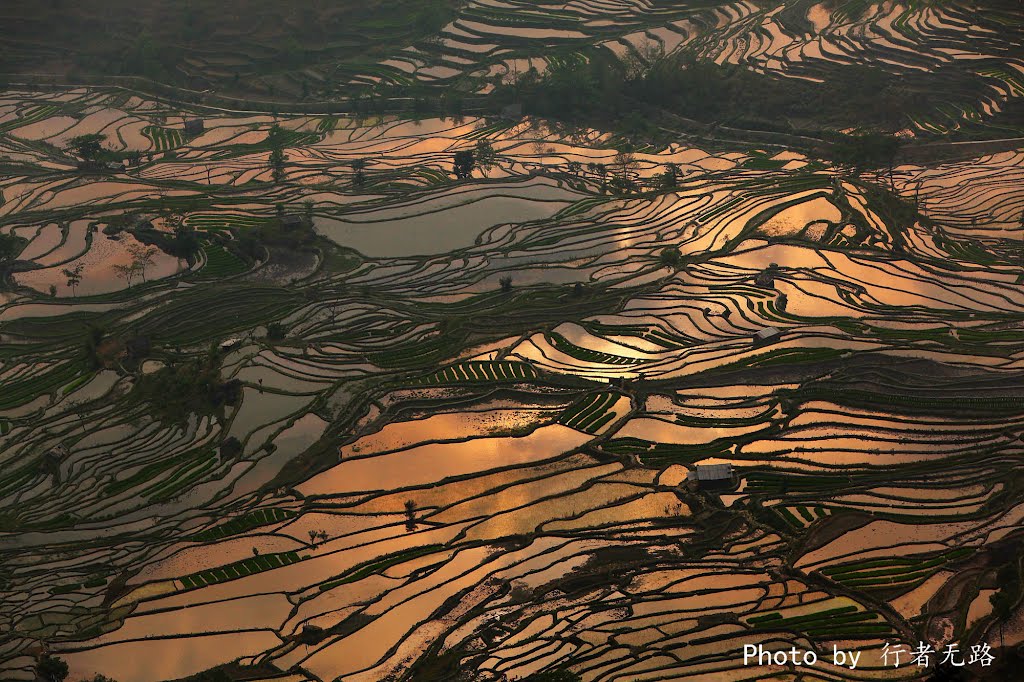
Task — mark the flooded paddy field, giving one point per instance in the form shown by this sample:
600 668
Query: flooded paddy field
351 418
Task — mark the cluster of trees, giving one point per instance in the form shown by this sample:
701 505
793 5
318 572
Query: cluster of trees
281 232
55 669
181 388
181 242
10 247
89 148
466 161
1011 590
605 92
557 675
142 256
866 152
276 140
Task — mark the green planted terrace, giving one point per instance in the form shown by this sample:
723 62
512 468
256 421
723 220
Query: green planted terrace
246 522
592 413
239 569
473 372
899 572
562 344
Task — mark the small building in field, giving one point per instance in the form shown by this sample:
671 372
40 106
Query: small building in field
710 473
292 221
227 345
194 126
513 111
766 335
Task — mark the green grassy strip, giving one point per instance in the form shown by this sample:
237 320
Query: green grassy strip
76 383
376 566
220 263
181 479
15 393
153 470
241 524
472 372
562 344
239 569
590 413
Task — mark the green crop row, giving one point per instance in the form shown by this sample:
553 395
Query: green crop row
239 569
220 263
480 371
184 476
240 524
563 345
883 573
31 115
14 393
164 139
376 566
591 413
837 623
154 470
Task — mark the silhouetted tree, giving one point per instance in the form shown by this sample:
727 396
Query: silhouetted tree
559 675
484 156
670 178
867 152
670 256
51 669
464 163
358 167
87 147
126 272
142 257
74 277
10 247
275 139
627 165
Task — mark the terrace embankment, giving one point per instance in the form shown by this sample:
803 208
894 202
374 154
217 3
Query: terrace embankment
620 410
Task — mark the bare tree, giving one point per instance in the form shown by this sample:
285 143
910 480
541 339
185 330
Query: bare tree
142 257
74 277
126 272
628 166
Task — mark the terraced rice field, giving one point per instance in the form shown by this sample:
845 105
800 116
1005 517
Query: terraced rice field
451 427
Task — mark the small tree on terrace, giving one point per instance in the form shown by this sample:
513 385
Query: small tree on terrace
868 152
142 257
485 156
74 277
464 164
358 176
602 171
126 272
87 147
51 669
627 165
10 247
670 178
277 156
670 256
